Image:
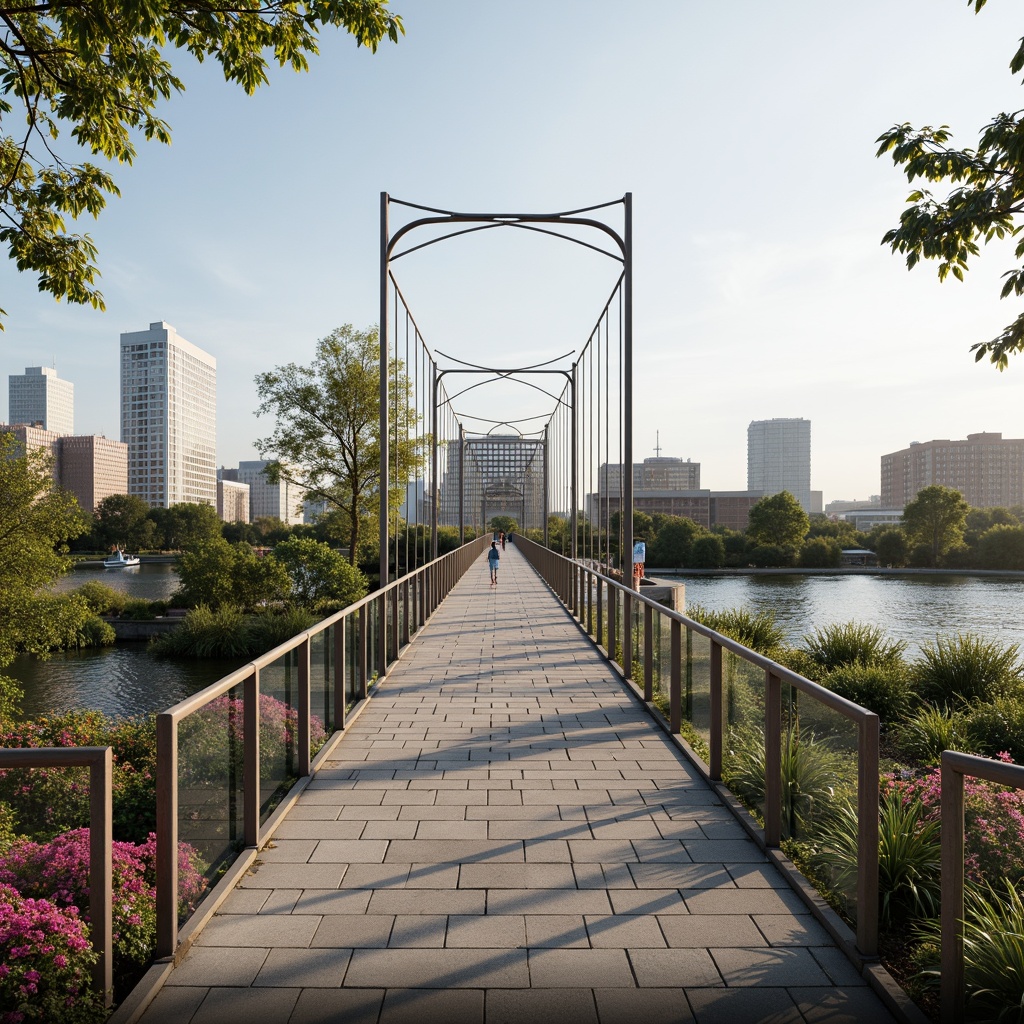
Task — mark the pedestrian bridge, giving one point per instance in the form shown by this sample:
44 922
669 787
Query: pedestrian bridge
503 832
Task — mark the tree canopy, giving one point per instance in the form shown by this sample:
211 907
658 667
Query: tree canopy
327 435
97 71
778 521
984 204
935 519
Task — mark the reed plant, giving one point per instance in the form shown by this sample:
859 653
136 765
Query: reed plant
965 668
884 689
925 735
227 632
852 643
757 630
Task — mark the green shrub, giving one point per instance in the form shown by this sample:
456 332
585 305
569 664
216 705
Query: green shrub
821 553
812 773
998 727
852 643
94 632
883 689
909 854
771 556
101 599
227 633
140 609
759 631
206 633
968 668
924 736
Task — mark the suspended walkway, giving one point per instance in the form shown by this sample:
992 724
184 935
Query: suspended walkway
505 835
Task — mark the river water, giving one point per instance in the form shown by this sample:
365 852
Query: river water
914 608
126 680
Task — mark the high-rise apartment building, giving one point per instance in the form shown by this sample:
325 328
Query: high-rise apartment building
283 500
92 468
987 469
779 458
39 396
169 417
32 439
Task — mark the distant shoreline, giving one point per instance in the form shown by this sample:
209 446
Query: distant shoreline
846 570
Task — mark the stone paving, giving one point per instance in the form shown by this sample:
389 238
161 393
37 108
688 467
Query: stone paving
506 836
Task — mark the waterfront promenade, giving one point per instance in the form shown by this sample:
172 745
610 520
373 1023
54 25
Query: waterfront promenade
505 835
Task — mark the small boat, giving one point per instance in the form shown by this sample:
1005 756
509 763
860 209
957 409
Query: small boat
119 560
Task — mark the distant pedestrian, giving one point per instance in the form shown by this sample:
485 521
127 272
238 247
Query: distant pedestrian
492 563
502 536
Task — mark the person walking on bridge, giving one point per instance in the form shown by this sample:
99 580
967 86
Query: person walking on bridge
492 563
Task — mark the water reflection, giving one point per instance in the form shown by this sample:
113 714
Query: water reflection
154 581
121 680
910 608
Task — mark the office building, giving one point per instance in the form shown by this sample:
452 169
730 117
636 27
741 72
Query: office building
779 458
232 501
92 468
658 474
283 500
986 469
169 417
39 396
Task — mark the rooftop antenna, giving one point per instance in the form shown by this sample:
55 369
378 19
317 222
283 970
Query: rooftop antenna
657 444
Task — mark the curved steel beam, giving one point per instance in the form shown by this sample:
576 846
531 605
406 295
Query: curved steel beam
496 369
451 213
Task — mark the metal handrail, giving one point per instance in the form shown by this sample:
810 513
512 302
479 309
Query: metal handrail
572 579
954 767
431 583
100 762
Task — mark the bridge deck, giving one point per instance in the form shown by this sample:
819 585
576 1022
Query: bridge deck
506 836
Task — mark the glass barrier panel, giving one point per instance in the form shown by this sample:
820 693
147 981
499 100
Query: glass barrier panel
662 662
279 716
211 775
636 644
697 690
743 692
320 657
819 792
372 646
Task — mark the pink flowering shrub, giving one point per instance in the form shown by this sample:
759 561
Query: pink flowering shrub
993 822
45 963
58 871
49 801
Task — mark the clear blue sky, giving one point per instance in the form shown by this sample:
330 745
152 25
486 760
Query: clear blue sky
745 132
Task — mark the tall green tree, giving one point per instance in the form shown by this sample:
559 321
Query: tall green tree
318 573
985 202
1001 547
778 521
190 524
218 573
96 72
120 519
327 435
36 521
936 519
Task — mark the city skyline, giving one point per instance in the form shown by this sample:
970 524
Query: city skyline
746 135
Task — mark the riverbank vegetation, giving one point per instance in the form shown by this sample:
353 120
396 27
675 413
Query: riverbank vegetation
962 693
938 530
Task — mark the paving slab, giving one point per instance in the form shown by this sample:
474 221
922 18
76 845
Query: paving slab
505 835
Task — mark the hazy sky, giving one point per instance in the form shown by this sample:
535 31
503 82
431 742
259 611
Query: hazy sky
745 131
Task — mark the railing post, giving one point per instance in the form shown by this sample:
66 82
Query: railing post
773 760
101 834
363 644
407 610
867 836
304 702
166 835
340 695
251 754
648 652
717 734
675 692
951 912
